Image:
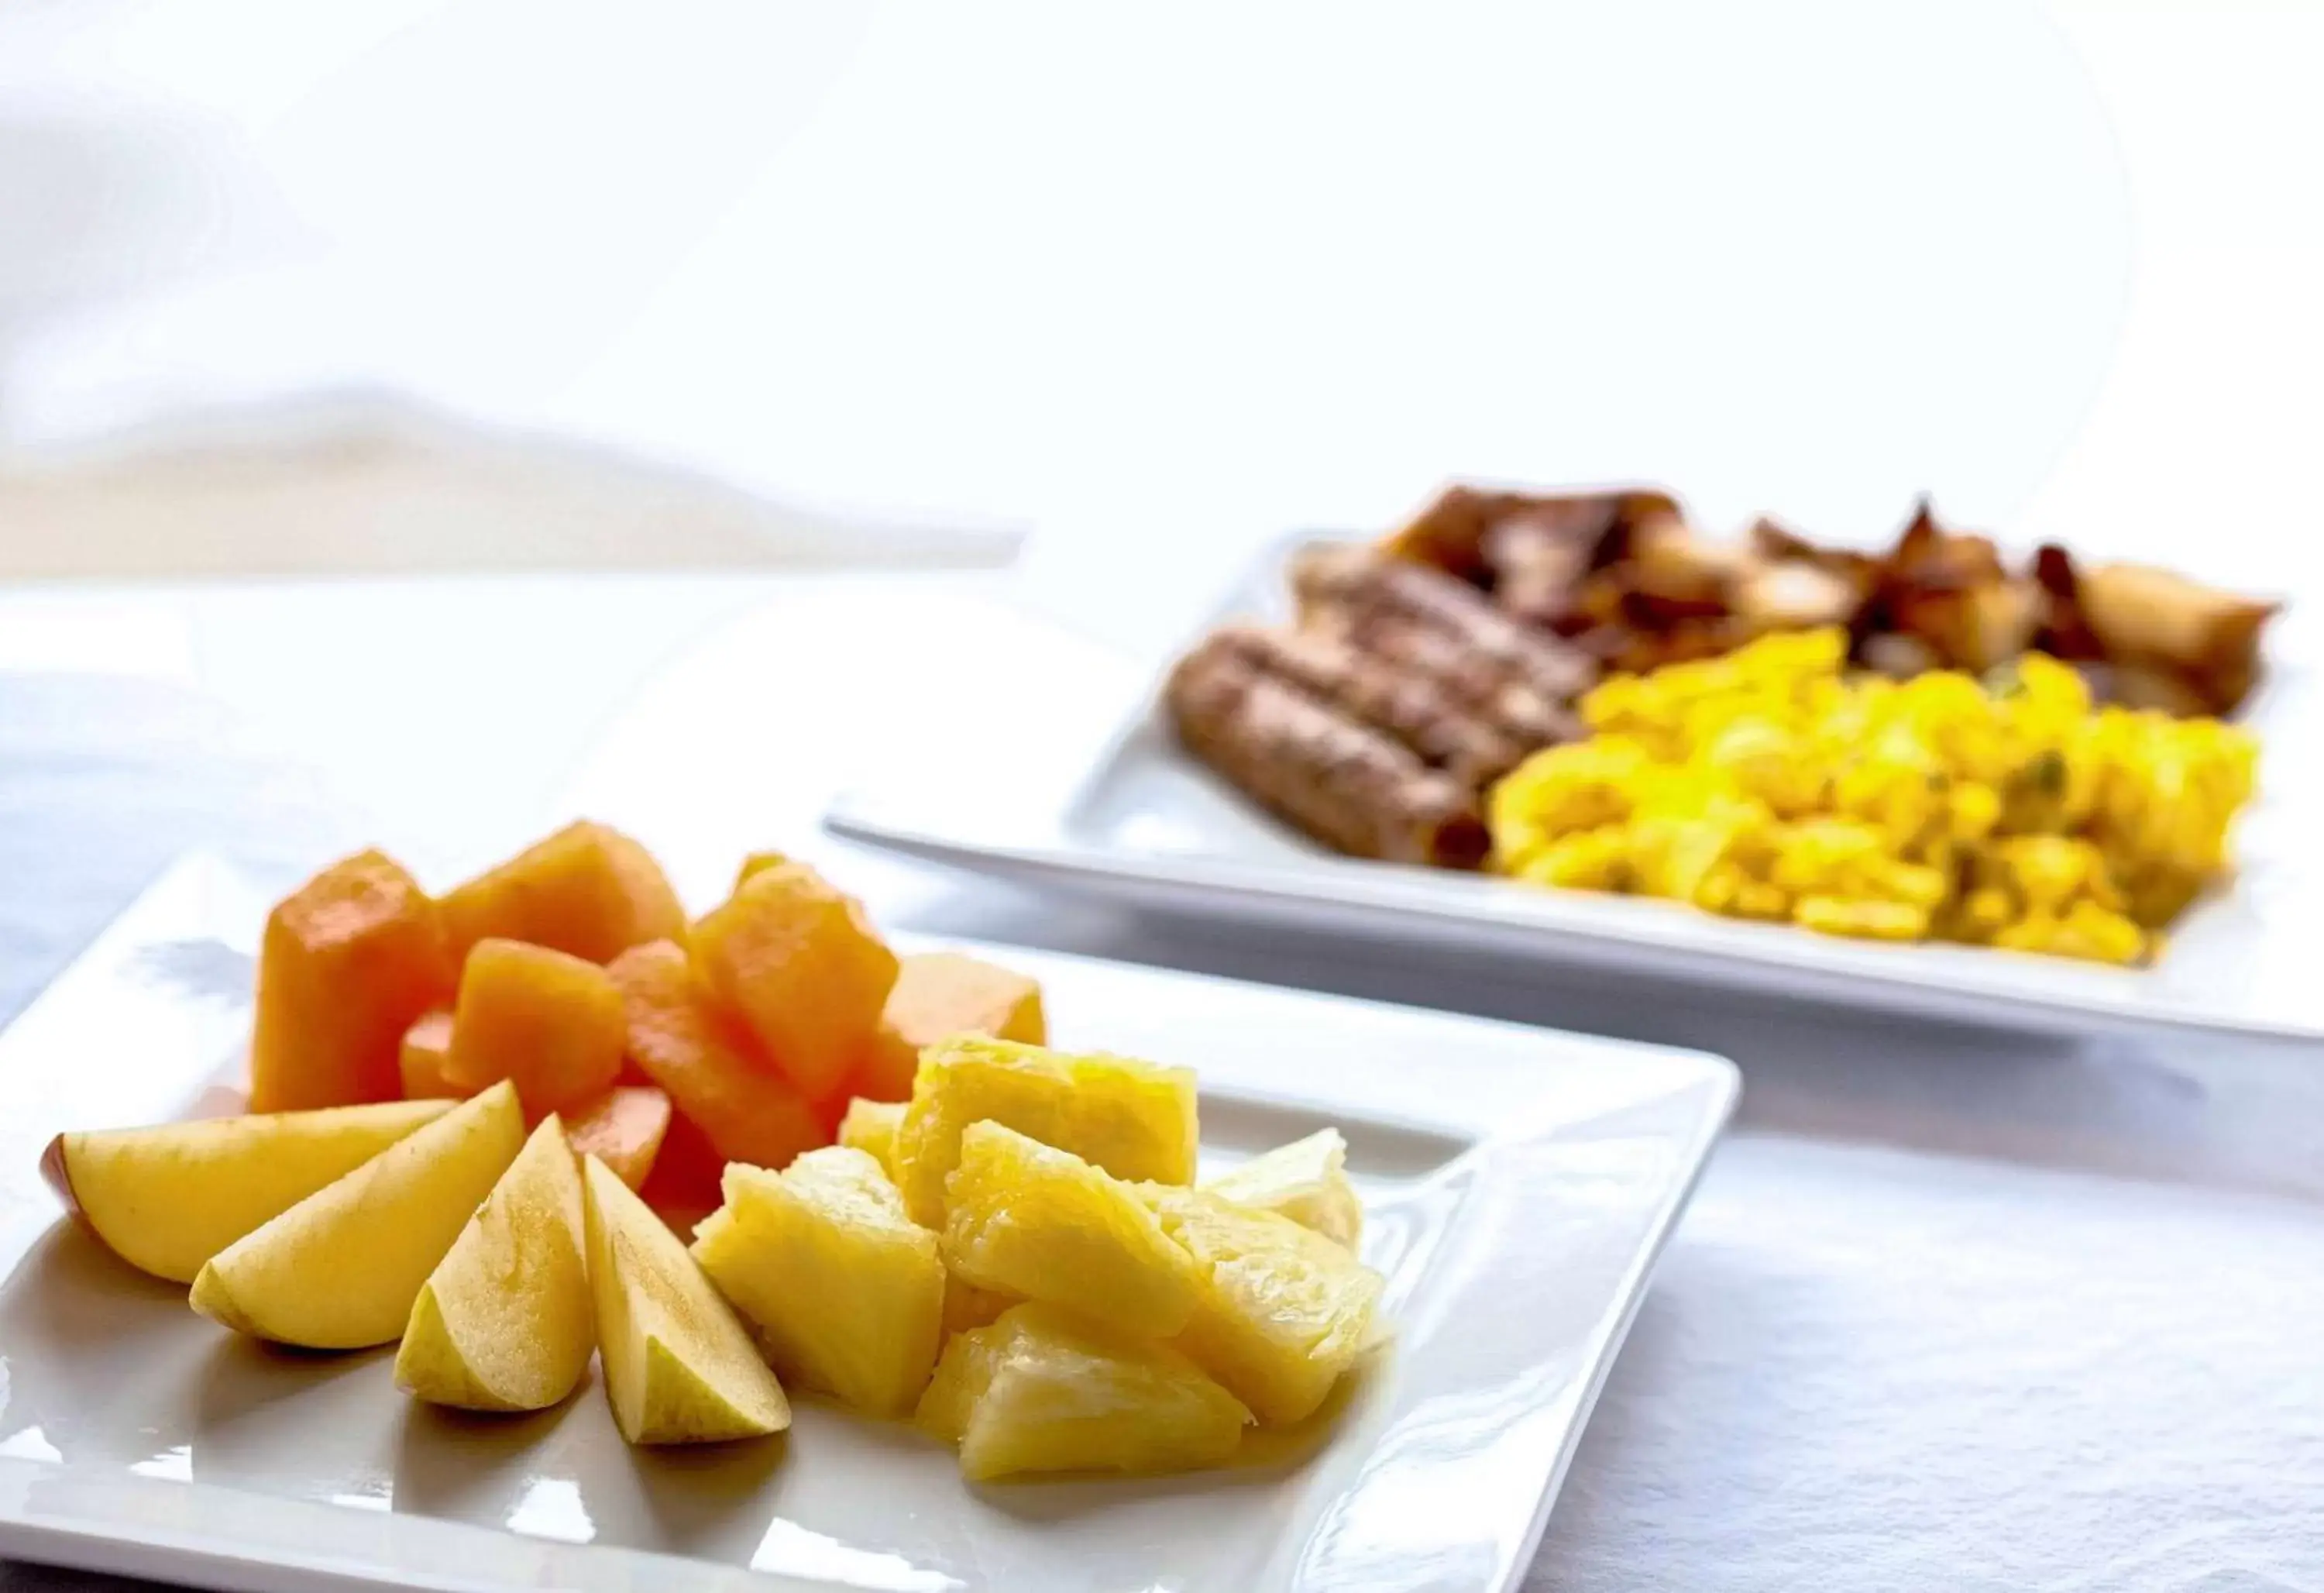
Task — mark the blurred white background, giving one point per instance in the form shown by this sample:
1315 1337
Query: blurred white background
1159 283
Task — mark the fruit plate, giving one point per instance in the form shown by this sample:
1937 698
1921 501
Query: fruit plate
1519 1183
1124 815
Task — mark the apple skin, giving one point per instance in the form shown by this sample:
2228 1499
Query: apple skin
58 1176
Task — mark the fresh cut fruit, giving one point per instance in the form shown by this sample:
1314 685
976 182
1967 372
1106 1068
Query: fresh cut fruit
588 890
1134 1119
966 1306
341 1269
547 1021
1284 1310
940 994
624 1129
796 960
1306 1180
679 1368
421 1060
168 1198
1039 1223
937 996
756 863
348 960
1044 1390
845 1290
505 1321
870 1126
709 1064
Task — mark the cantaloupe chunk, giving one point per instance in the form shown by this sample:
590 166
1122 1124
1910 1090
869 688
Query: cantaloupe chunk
422 1058
550 1022
797 961
349 959
707 1062
884 1072
624 1129
588 890
937 994
940 994
682 1187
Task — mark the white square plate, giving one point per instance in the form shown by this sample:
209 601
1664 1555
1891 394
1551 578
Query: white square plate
1519 1184
1141 822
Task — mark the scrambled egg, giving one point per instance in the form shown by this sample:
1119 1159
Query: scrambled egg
1771 783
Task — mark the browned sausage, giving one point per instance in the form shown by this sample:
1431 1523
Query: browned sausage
1329 775
1412 707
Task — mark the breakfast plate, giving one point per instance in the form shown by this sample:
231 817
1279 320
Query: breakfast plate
1128 817
1518 1185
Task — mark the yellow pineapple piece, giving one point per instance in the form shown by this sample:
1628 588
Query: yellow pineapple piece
1284 1312
870 1126
1041 1223
1134 1119
1306 1180
845 1291
1044 1390
967 1306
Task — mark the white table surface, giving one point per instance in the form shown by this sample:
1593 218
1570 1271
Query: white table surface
1951 1310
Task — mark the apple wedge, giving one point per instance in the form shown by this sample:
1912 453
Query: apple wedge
341 1269
504 1322
679 1368
167 1198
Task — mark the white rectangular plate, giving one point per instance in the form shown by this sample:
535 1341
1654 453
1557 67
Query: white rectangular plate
1142 823
1519 1184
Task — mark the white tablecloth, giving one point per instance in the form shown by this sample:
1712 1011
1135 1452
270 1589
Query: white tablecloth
1949 1309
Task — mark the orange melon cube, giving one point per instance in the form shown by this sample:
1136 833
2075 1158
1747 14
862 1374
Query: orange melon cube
349 959
684 1186
940 994
588 890
624 1129
937 994
884 1072
707 1062
797 961
550 1022
425 1046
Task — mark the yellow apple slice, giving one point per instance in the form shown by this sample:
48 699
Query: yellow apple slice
341 1269
167 1198
504 1322
679 1367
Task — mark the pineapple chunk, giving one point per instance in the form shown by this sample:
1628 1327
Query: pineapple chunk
1042 1390
1042 1223
1285 1311
845 1291
1306 1180
1132 1118
870 1126
967 1306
